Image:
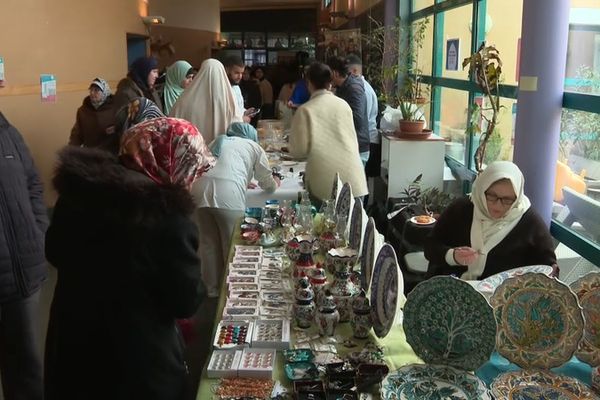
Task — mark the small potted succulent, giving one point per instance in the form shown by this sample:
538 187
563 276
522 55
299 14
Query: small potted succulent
411 106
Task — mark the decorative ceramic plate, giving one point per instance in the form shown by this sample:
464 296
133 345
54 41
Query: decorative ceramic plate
435 382
344 201
337 186
386 287
539 321
539 385
448 322
587 289
422 220
356 225
490 283
367 256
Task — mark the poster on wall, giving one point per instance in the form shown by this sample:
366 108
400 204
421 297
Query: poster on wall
341 43
48 83
1 69
452 54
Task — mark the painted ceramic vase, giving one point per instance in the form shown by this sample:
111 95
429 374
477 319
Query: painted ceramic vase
292 249
343 289
327 317
318 281
596 380
361 321
304 308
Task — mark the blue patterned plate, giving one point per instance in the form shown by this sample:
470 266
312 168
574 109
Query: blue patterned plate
342 208
433 382
539 385
367 257
448 322
386 286
490 283
356 225
539 321
587 289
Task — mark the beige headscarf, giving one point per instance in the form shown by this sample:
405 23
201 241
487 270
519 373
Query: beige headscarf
208 102
487 232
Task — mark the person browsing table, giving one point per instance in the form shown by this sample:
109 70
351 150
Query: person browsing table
221 196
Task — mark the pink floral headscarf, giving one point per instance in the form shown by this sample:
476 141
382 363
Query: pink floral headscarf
168 150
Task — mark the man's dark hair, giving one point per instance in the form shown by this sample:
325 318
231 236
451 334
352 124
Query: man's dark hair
233 60
319 75
338 64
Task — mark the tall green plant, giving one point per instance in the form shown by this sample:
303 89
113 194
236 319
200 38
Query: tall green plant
485 67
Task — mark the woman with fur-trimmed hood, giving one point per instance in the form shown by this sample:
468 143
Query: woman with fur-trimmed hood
125 247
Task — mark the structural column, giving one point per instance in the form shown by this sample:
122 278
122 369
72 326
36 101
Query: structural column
544 39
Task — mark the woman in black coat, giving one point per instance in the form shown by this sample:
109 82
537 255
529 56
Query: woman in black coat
125 247
493 231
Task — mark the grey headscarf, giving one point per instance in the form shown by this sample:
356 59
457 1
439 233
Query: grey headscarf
104 89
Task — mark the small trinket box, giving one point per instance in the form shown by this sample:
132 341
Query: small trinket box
271 284
240 313
238 266
243 272
247 259
239 249
274 334
309 390
242 279
243 287
267 295
232 335
235 303
244 294
224 364
257 363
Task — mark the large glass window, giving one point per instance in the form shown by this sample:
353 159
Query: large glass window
424 56
421 4
456 41
503 30
452 123
583 57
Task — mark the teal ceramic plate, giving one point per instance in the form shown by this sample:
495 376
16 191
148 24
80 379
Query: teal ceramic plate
539 385
539 321
587 289
448 322
439 382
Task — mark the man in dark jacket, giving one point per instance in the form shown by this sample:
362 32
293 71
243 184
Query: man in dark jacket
351 89
23 223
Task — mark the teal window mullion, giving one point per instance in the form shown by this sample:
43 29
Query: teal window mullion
436 68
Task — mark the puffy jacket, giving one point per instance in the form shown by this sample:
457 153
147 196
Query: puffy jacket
23 218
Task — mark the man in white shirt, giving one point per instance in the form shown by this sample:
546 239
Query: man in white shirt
234 66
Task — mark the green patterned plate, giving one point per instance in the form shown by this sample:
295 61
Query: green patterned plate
539 321
587 289
446 321
435 382
539 385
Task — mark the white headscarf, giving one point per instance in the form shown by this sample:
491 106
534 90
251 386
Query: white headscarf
208 102
487 232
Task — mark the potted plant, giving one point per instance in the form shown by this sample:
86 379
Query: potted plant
391 57
485 67
411 105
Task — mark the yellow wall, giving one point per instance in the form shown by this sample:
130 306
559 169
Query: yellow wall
192 28
74 40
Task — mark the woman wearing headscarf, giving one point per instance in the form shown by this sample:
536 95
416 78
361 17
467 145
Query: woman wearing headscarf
124 244
95 120
139 82
179 77
221 196
492 231
209 103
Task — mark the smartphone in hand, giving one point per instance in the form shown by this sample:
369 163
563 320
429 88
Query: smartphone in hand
251 112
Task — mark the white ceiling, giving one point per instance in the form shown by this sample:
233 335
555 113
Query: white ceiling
266 4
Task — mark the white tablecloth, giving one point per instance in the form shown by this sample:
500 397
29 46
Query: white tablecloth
290 186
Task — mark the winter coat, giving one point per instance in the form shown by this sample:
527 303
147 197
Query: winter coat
128 90
125 250
23 218
94 127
